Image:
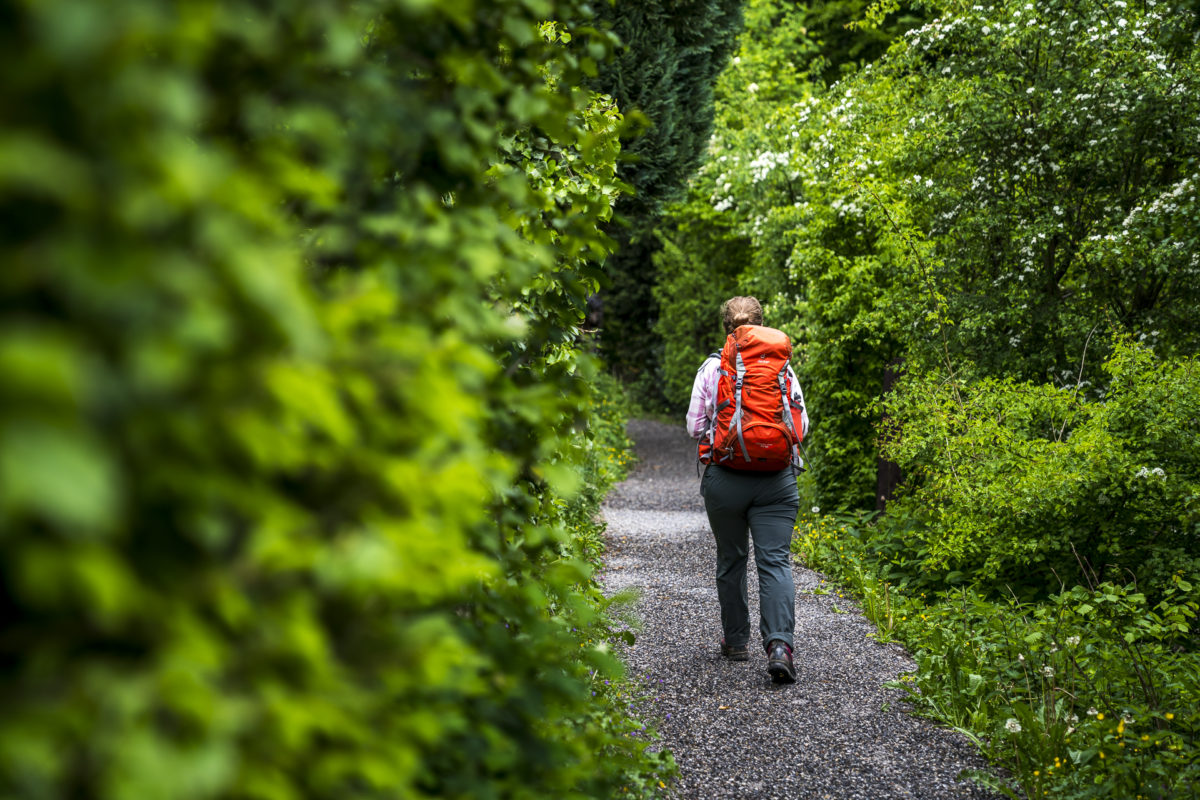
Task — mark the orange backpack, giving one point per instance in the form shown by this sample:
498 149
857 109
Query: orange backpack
756 427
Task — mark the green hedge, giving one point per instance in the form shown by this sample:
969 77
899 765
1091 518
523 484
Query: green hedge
291 401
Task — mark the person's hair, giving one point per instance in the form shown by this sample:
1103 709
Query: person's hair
738 311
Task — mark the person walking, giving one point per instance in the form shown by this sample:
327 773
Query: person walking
749 481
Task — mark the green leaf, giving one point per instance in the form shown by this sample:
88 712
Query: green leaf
60 473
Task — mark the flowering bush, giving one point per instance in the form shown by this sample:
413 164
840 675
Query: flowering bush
1007 180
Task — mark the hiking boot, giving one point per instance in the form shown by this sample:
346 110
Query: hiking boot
735 652
779 662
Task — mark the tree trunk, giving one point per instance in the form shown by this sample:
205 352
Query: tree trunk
887 473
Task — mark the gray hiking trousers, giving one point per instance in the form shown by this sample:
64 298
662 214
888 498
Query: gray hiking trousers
766 503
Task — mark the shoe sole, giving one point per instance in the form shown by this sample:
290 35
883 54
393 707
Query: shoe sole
780 673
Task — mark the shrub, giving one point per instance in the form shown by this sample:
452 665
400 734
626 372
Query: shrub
1089 693
1016 483
292 401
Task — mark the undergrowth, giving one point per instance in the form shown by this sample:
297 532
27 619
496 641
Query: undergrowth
617 699
1091 692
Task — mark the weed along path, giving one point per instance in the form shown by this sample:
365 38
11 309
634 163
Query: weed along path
836 733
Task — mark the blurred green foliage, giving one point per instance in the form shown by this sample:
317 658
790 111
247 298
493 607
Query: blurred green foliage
293 417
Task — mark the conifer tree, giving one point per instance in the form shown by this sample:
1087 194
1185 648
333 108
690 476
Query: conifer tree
673 53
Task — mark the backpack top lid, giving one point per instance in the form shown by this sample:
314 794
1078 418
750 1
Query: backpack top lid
760 340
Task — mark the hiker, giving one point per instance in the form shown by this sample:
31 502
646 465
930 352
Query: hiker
748 420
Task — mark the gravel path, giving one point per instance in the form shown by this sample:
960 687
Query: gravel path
836 733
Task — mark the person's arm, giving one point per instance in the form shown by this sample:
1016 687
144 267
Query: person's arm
797 401
700 409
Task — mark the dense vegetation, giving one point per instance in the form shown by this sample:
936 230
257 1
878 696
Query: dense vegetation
984 241
299 449
301 442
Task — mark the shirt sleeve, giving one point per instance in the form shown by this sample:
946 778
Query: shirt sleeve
703 403
797 401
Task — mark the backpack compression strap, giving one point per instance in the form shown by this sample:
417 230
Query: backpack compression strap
737 413
787 403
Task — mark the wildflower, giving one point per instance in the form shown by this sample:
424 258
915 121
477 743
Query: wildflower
1170 716
752 88
1048 671
1073 640
816 509
1012 726
1021 657
1100 717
